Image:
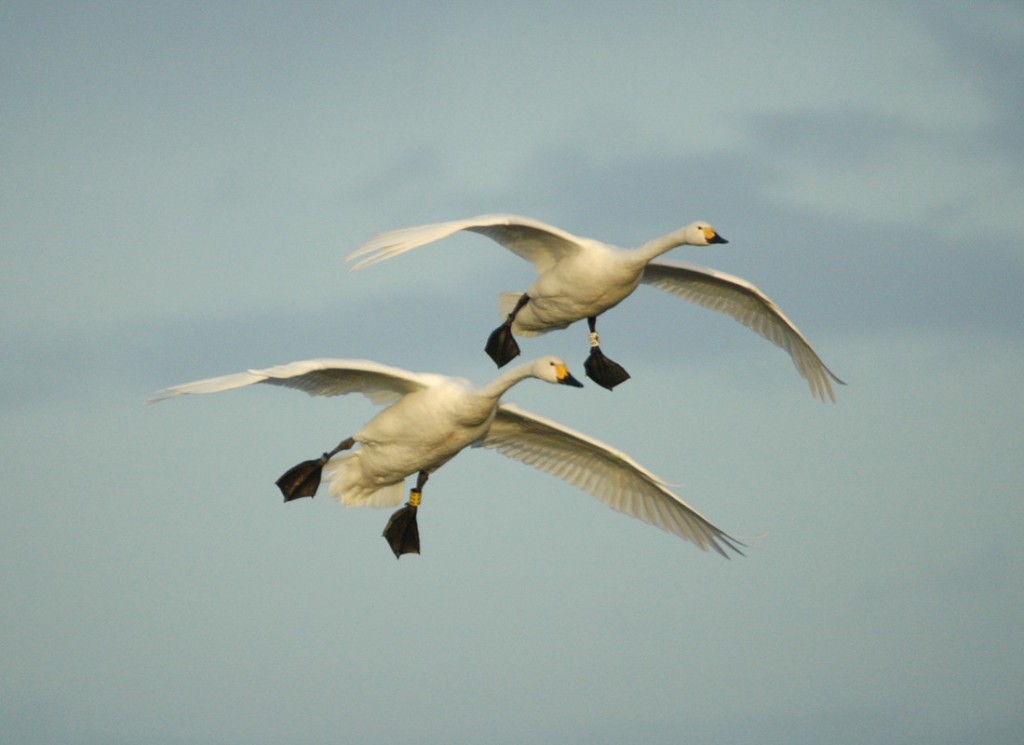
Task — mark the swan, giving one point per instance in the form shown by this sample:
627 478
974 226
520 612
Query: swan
581 278
431 418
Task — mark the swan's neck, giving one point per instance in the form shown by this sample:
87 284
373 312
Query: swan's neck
497 387
656 247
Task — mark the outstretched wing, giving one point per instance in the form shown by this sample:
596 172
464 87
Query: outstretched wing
608 474
743 301
324 377
540 244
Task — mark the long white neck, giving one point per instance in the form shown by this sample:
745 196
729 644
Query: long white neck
497 387
656 247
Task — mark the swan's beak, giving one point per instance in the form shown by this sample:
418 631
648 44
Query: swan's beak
565 377
712 237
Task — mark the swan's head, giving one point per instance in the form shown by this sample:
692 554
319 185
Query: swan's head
701 233
554 370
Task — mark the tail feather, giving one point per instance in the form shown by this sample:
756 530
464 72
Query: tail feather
348 486
506 303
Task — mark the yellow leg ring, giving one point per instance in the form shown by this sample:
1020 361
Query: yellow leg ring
414 498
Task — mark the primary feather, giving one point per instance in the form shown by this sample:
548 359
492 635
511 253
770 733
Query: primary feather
738 298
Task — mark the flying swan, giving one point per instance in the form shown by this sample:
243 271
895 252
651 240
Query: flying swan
431 418
581 278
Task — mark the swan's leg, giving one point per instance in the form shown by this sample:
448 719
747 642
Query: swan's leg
501 345
402 532
599 368
304 479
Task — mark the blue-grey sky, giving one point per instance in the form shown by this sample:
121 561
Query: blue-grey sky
178 185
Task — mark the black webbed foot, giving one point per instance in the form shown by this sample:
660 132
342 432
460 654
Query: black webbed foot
501 345
402 532
604 371
302 480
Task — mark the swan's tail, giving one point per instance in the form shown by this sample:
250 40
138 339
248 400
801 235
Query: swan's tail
506 303
348 486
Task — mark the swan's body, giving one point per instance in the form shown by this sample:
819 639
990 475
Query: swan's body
431 418
581 278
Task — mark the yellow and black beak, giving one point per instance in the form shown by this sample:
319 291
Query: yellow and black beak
564 377
712 237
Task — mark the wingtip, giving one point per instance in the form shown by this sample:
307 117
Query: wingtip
731 543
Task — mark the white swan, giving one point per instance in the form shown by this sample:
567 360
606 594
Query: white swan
432 417
581 278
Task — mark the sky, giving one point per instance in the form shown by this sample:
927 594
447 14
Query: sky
179 185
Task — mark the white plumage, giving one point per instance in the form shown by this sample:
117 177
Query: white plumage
580 278
431 418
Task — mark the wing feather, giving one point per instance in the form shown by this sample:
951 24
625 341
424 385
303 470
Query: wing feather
321 377
608 474
743 301
537 242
